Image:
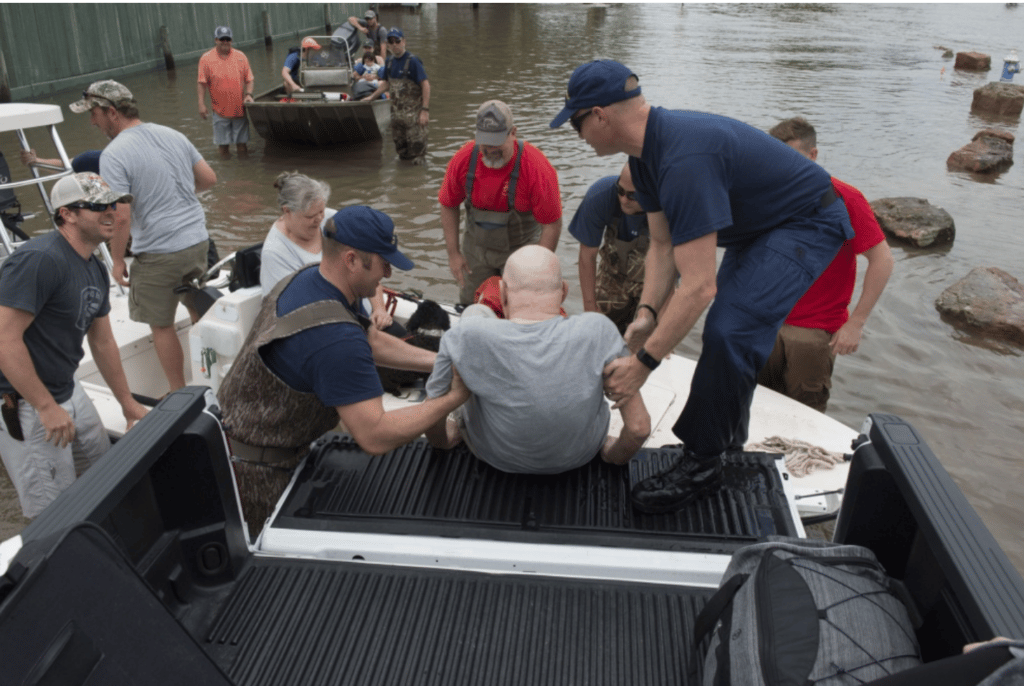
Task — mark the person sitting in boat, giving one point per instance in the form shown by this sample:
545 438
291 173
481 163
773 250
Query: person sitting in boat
366 75
537 403
294 240
309 361
54 293
290 71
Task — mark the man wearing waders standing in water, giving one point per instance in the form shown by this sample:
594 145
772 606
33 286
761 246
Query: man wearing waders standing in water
406 81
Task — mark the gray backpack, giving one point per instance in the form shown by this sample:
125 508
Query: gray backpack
794 612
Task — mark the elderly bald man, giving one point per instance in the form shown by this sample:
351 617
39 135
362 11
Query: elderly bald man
537 403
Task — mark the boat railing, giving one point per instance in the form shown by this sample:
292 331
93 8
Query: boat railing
17 118
328 67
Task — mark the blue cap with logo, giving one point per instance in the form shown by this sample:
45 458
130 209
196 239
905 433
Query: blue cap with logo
369 230
396 33
595 84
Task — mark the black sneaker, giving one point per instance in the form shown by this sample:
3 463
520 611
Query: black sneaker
688 479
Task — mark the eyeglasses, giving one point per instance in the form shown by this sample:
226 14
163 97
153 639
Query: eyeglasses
94 206
577 119
623 193
392 40
224 39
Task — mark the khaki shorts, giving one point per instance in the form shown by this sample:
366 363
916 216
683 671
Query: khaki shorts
153 278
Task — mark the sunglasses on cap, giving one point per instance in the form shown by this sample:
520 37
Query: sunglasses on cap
87 94
577 119
94 206
628 195
393 40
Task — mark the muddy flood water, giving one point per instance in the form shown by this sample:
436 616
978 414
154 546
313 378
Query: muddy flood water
888 107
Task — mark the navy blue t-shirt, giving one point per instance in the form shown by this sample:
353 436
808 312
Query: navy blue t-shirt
596 211
396 65
712 173
334 361
291 63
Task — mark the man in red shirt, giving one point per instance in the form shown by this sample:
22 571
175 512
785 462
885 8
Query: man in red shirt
225 72
511 195
820 326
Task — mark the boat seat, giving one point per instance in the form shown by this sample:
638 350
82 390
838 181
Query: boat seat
327 76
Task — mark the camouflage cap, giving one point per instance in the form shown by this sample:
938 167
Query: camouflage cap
84 187
102 94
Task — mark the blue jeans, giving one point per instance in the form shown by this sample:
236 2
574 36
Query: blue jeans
758 284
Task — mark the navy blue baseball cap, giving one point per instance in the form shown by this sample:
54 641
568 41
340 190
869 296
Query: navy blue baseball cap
396 33
595 84
369 230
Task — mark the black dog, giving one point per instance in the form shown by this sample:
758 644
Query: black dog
426 326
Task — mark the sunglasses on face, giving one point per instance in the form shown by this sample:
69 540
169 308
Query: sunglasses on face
394 41
94 206
577 119
623 193
224 40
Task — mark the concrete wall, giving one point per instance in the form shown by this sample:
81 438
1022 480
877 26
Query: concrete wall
47 47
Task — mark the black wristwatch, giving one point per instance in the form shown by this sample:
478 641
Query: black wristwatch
647 360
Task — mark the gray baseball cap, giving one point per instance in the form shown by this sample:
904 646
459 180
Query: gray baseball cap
493 123
370 14
102 94
84 187
222 32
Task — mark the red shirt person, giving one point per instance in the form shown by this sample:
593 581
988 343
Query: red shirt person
225 73
820 325
511 195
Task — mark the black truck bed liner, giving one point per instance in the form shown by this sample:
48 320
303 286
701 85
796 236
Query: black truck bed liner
418 490
306 622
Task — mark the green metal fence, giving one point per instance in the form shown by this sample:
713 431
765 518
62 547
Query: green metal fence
46 47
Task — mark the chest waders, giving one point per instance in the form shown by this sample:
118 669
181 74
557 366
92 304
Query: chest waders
490 235
406 102
620 274
269 423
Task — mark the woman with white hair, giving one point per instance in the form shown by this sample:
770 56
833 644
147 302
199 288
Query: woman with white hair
294 240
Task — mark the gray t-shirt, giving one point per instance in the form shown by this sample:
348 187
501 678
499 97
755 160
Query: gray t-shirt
280 257
154 163
538 402
65 293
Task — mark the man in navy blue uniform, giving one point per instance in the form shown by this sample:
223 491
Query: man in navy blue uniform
707 181
610 222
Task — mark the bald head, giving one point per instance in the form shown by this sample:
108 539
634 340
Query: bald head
532 282
533 268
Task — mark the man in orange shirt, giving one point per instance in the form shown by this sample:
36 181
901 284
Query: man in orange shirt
225 72
510 191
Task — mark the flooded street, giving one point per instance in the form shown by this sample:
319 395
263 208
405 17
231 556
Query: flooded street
888 108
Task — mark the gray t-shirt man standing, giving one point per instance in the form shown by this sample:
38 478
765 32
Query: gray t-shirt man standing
537 403
163 171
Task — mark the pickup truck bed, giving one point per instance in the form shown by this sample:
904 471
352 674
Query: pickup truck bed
141 573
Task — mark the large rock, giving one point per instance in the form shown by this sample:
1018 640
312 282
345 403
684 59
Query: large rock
1000 99
988 152
987 299
972 61
914 220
